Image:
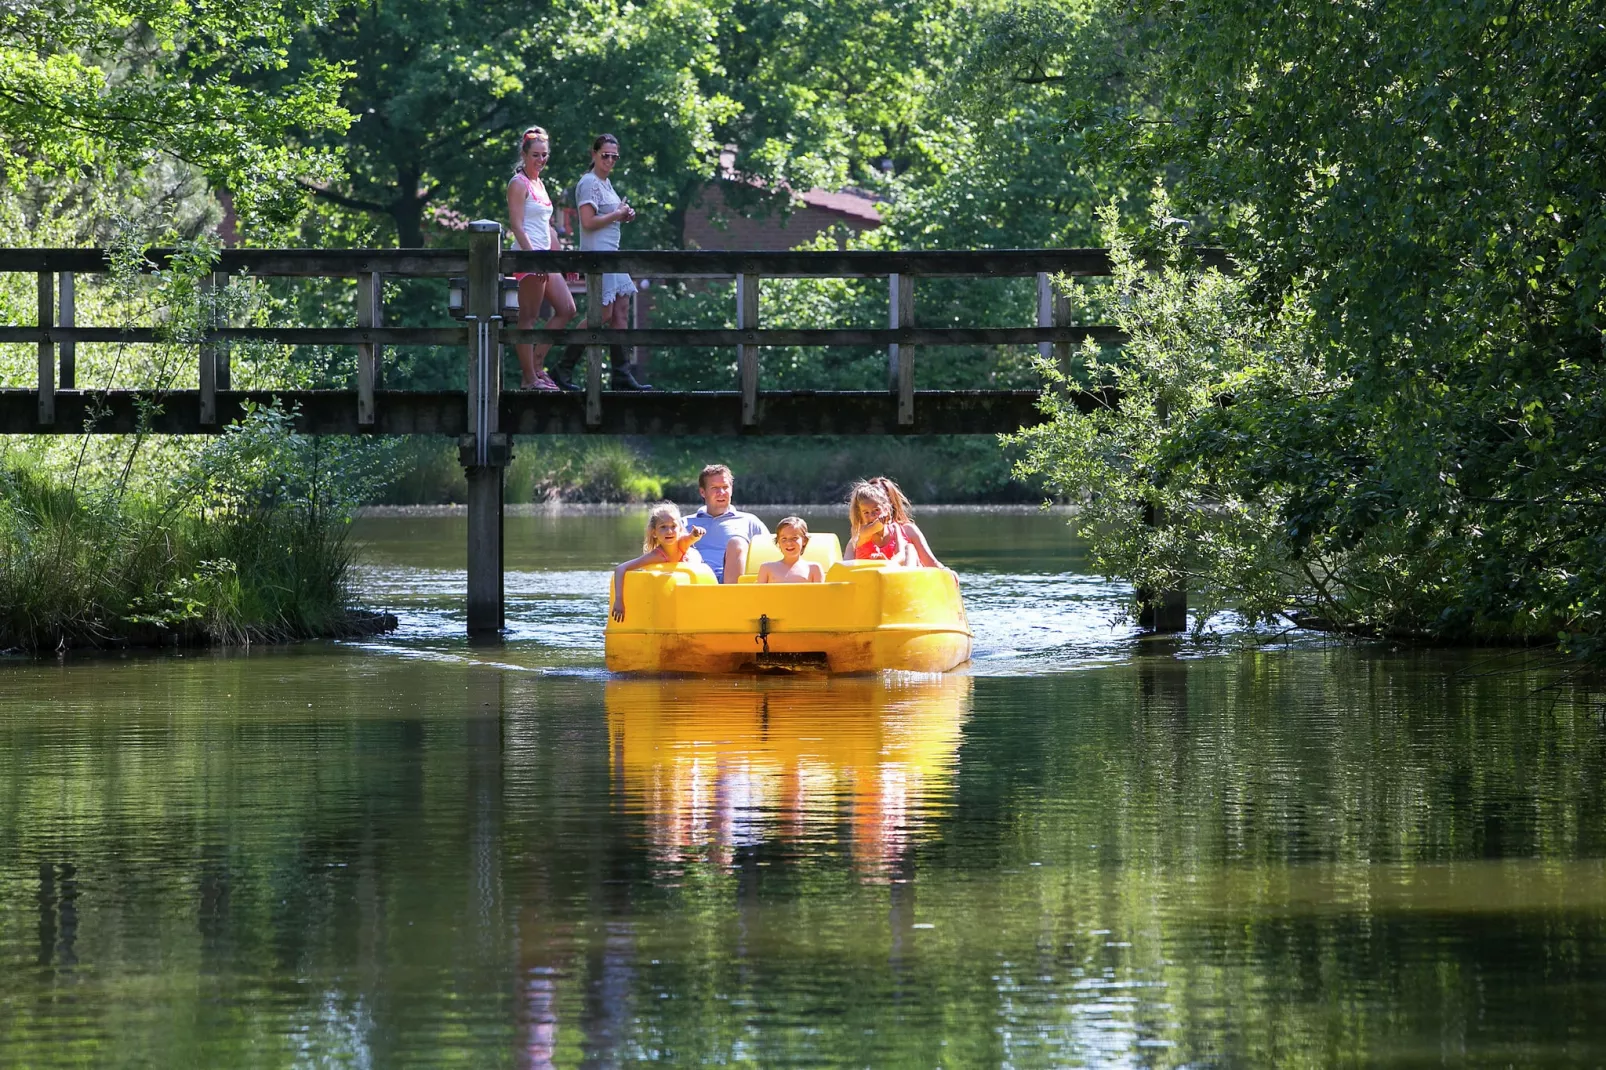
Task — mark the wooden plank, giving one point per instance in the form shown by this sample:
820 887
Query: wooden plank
206 355
47 350
669 263
665 337
747 355
1054 310
306 263
970 263
290 336
68 302
786 336
484 348
638 316
901 355
370 313
594 351
225 357
1045 310
445 413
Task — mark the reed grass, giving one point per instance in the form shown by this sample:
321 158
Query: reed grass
245 541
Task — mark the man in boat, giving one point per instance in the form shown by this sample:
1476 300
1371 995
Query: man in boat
729 530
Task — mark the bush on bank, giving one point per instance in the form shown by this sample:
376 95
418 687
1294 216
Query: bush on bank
243 541
1285 485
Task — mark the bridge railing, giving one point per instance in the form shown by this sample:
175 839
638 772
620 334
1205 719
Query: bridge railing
484 263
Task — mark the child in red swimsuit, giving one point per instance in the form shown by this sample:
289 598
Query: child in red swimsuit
875 536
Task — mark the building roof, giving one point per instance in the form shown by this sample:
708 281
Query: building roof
855 204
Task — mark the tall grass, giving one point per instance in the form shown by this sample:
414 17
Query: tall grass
245 543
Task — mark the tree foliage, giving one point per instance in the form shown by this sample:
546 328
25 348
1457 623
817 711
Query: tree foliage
1419 192
441 90
105 86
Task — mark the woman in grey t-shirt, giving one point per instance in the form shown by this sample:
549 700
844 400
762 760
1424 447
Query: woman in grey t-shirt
602 211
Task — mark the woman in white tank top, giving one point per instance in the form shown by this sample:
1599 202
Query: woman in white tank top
529 209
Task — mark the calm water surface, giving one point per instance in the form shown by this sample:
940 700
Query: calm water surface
1090 850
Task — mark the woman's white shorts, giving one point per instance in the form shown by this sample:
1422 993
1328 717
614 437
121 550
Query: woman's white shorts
615 286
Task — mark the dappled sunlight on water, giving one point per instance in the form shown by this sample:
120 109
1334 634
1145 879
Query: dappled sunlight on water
1091 849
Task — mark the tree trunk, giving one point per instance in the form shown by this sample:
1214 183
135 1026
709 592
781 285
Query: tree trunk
408 209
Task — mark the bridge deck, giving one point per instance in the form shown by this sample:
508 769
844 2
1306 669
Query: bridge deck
407 412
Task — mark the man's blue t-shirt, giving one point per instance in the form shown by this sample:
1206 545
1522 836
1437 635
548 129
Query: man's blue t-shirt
720 530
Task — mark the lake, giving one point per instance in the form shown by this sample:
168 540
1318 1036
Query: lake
1092 848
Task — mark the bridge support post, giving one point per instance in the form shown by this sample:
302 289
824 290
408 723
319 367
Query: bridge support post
47 350
225 375
1161 611
484 451
207 374
747 356
69 318
594 353
370 313
1053 310
901 357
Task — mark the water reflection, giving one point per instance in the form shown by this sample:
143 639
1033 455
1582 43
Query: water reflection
812 764
400 854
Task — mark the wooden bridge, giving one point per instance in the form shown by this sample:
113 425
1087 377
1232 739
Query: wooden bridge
484 418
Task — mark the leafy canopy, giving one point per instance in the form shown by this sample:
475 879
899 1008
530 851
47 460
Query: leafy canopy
97 86
1419 190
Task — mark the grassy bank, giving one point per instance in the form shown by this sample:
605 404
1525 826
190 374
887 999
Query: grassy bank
242 540
946 469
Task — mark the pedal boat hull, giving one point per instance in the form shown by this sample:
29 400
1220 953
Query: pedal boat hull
866 617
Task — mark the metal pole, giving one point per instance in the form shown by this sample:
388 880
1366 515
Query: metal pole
484 450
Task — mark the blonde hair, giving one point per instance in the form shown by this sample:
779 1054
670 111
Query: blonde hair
795 522
532 133
659 512
714 470
865 490
895 499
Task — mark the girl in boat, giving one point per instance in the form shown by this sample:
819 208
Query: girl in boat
791 538
899 518
666 540
911 531
876 536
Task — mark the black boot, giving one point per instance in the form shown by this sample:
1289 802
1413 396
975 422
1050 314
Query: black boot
562 369
623 375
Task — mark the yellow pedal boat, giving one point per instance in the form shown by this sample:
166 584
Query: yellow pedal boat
866 616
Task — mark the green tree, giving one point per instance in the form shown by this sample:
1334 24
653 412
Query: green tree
440 91
113 85
1419 192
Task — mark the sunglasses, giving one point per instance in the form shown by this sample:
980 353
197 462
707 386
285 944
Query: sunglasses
609 155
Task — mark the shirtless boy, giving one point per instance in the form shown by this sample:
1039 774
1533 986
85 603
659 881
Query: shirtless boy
791 538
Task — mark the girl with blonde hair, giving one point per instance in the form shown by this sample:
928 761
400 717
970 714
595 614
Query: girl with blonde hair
898 516
666 540
875 535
